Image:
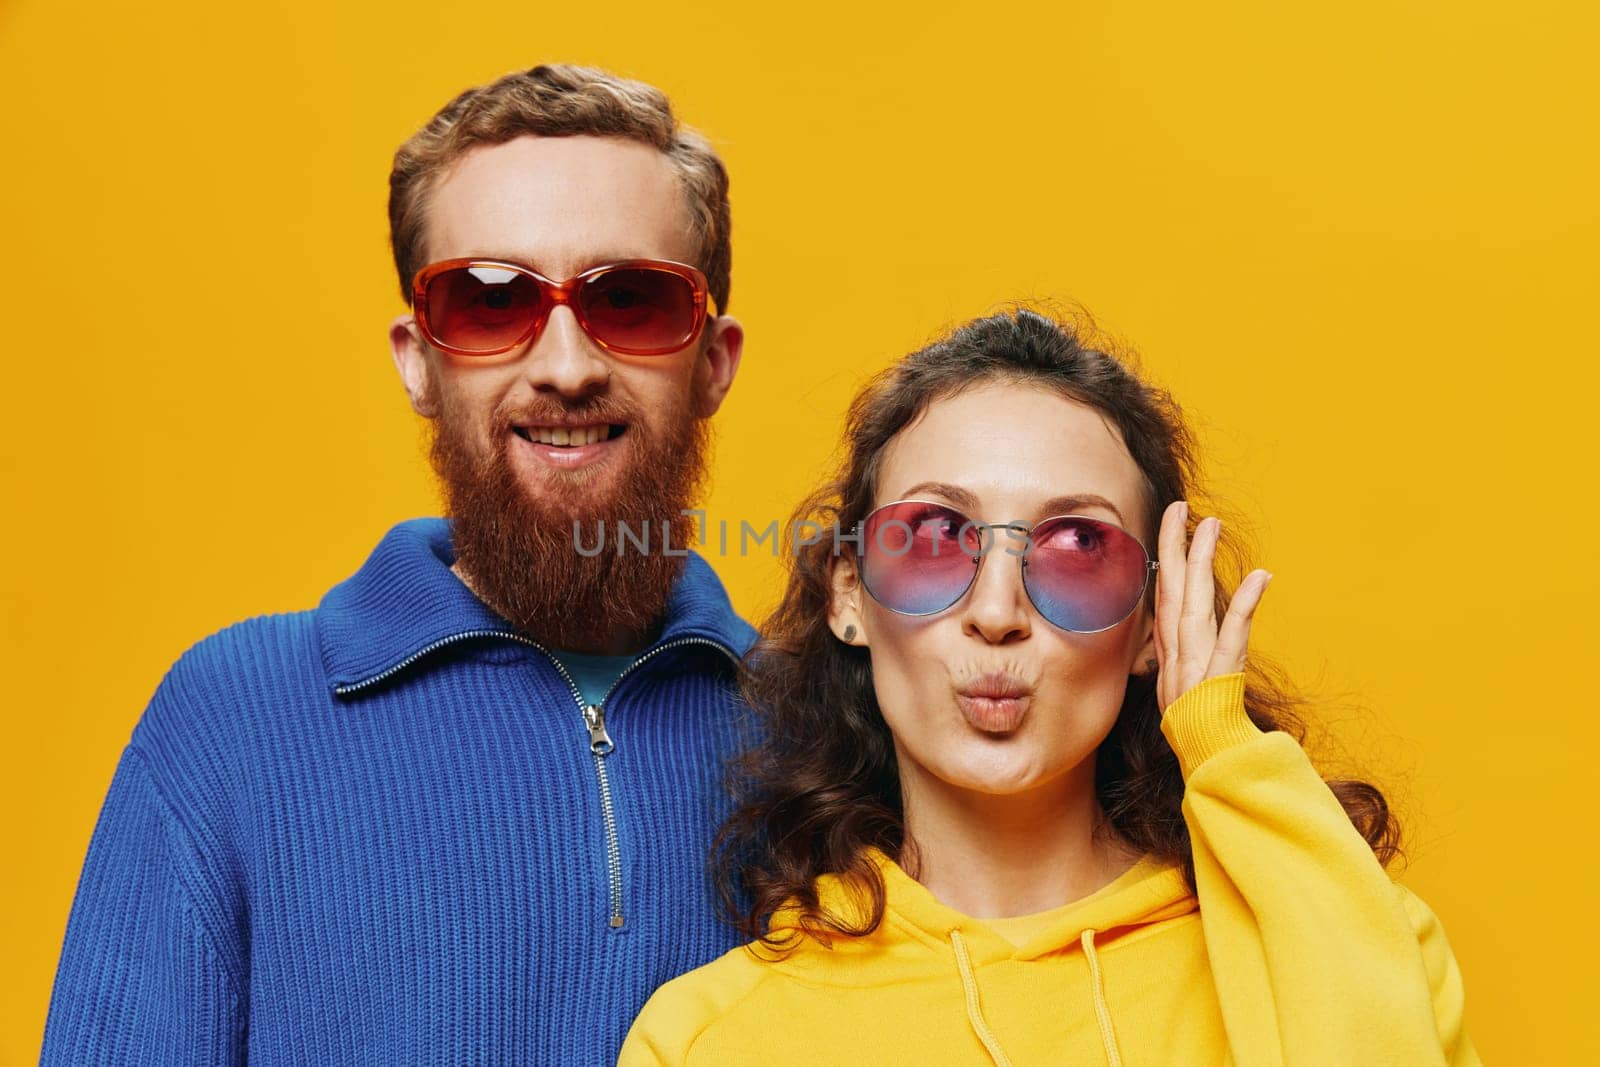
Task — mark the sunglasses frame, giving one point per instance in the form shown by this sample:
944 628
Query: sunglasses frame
554 294
1150 565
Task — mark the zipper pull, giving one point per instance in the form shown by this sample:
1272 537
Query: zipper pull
594 717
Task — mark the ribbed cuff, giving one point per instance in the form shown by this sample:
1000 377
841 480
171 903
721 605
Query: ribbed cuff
1206 720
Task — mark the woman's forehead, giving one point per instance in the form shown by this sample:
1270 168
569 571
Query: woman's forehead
1013 451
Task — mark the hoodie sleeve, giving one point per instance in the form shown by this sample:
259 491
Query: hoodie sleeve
669 1031
1317 955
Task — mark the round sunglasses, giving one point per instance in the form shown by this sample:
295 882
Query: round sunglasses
486 307
1083 575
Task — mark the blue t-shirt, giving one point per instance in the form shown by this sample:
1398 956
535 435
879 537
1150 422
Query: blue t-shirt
594 674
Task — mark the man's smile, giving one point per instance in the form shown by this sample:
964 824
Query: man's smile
569 436
568 447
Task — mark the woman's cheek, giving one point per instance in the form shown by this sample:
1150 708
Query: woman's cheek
897 689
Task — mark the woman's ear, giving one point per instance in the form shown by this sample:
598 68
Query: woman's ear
844 604
1145 660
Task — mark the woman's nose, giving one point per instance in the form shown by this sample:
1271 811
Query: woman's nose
996 608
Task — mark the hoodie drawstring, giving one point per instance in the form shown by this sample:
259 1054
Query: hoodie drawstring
1102 1014
980 1026
974 1011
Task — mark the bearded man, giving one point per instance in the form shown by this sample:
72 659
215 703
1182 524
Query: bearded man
460 812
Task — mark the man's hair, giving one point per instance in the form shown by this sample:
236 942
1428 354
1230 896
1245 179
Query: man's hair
560 100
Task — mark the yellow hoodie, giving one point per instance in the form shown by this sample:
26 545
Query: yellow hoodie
1299 950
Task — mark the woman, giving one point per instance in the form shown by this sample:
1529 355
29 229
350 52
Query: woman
1022 797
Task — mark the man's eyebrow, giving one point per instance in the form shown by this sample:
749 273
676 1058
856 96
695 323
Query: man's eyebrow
525 260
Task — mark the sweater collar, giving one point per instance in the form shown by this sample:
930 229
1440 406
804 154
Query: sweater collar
405 599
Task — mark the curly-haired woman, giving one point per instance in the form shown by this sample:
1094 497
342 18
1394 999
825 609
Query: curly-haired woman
1020 795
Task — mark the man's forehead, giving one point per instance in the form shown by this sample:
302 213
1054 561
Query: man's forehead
560 204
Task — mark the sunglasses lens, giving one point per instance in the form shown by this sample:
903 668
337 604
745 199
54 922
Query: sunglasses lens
917 558
642 310
1082 575
481 309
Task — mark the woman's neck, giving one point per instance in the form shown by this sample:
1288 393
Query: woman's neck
997 856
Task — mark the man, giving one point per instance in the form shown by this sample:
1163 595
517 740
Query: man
461 811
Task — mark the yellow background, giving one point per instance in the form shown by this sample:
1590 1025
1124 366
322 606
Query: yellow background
1356 239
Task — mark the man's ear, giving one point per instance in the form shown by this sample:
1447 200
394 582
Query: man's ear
717 365
411 360
844 603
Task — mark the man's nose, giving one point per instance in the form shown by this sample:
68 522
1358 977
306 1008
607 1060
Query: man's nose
564 360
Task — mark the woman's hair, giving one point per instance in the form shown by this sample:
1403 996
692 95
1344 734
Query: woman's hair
820 785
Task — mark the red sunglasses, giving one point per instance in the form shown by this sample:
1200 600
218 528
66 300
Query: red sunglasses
1083 575
484 307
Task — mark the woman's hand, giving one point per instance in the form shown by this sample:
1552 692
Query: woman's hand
1190 646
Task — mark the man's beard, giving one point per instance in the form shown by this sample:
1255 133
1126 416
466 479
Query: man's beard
520 552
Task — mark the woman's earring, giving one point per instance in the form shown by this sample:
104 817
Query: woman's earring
849 633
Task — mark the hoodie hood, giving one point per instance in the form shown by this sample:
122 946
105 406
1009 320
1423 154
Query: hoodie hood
921 934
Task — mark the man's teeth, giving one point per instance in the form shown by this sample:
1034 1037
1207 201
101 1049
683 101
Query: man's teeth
567 435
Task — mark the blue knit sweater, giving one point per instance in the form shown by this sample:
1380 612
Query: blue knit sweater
387 831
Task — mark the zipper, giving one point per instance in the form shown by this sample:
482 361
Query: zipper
594 720
464 635
601 746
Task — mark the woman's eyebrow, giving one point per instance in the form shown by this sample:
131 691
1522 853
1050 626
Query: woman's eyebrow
954 493
1073 502
1069 504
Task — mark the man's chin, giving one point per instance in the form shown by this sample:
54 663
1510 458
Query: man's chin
559 504
519 513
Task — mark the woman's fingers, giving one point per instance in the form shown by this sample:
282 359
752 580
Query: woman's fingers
1170 551
1197 621
1190 644
1233 637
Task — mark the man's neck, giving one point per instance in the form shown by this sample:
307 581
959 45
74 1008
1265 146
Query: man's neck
619 641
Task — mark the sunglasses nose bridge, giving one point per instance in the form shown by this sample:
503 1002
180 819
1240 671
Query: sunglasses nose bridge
996 605
561 355
560 294
566 294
